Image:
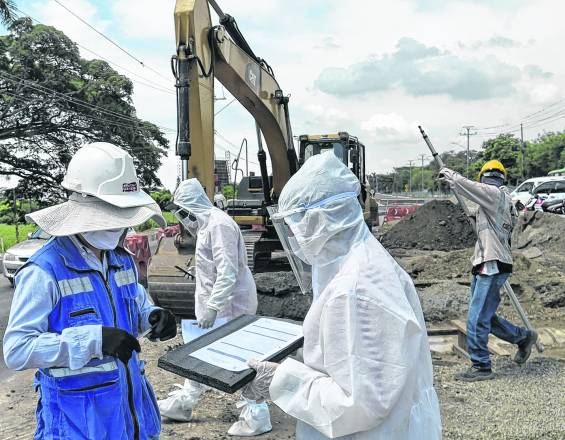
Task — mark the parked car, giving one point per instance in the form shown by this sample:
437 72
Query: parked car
16 256
554 189
523 192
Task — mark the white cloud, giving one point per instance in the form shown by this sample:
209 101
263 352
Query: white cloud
143 19
422 70
390 128
301 39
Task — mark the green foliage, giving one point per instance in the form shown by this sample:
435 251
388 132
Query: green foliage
7 11
544 154
506 149
42 121
8 233
163 197
229 192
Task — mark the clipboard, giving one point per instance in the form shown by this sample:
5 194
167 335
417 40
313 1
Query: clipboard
180 361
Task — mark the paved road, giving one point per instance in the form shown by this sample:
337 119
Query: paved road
6 293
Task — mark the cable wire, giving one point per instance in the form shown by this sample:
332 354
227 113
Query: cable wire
144 81
46 90
110 40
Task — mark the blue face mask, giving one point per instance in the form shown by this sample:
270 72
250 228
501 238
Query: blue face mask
495 181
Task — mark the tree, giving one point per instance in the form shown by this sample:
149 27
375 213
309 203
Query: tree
544 154
505 148
7 12
53 102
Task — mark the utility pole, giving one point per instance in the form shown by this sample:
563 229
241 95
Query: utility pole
410 181
523 147
422 157
468 134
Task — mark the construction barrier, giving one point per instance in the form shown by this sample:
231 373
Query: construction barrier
143 245
397 212
169 231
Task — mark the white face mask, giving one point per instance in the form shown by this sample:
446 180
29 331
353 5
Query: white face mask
103 240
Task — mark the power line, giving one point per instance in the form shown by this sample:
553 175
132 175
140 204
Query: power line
46 90
468 134
110 40
144 81
224 107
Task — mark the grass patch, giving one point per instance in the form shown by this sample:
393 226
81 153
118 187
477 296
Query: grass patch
171 220
8 234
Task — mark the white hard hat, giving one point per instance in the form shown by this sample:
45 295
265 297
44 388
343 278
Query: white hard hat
106 172
105 195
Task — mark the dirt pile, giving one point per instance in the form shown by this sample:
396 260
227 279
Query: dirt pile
539 238
438 225
542 231
279 295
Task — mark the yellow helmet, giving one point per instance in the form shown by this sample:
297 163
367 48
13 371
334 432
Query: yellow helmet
493 165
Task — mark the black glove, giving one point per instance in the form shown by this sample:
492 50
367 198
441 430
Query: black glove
164 325
119 343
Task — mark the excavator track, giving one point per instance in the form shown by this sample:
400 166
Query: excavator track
250 238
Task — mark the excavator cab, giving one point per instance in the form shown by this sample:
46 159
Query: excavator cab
347 148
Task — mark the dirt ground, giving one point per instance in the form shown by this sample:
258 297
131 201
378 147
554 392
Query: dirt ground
521 403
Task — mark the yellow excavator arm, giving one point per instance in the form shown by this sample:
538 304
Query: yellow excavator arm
205 52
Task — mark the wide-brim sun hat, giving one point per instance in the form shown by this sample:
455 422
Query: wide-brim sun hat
82 213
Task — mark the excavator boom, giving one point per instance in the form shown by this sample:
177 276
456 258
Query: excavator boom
208 52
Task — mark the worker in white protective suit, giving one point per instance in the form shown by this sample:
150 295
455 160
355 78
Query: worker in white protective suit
366 370
225 289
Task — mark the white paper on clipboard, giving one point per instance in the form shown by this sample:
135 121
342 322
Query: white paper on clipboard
191 331
259 340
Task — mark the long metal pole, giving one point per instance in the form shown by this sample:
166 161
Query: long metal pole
506 287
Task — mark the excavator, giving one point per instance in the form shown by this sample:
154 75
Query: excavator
205 53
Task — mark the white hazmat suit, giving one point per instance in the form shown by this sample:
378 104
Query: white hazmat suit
367 370
224 286
223 279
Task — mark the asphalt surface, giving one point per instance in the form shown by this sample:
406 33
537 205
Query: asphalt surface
6 293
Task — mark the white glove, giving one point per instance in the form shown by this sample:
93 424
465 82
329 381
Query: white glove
259 388
208 318
192 270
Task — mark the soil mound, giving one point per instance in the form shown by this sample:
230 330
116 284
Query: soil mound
438 225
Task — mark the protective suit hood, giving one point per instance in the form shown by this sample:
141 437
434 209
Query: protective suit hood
320 205
190 195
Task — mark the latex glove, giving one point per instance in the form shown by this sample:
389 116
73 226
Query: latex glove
208 318
164 325
259 388
119 343
299 355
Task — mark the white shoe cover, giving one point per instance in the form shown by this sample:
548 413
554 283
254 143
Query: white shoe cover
253 420
178 406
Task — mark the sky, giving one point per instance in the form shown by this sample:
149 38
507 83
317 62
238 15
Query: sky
376 69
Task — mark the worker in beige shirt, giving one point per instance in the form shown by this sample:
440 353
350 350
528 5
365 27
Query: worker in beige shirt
492 265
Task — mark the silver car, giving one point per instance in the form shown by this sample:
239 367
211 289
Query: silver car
16 256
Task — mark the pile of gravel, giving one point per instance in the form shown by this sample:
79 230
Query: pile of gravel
523 402
438 225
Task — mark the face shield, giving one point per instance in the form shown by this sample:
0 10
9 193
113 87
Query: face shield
188 220
298 262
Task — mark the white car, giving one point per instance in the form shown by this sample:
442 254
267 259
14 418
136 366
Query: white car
16 256
524 191
554 189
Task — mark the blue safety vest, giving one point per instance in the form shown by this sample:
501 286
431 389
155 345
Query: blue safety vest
104 400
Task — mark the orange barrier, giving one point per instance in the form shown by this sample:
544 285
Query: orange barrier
397 212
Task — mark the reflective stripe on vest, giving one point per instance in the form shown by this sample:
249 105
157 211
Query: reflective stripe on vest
124 277
72 286
65 372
